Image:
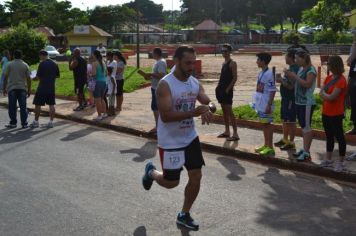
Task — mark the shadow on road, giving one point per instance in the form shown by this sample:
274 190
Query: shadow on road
306 205
20 135
233 166
140 231
78 134
147 151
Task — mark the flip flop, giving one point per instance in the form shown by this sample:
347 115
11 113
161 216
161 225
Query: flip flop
233 138
223 135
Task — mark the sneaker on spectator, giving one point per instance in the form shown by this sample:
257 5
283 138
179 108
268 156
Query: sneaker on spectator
288 146
104 115
326 163
281 143
10 126
352 157
98 118
339 166
304 157
267 152
297 154
34 124
259 149
50 124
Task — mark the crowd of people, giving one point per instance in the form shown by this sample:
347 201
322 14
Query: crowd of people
174 97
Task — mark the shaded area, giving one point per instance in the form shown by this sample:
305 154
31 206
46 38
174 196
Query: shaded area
233 166
305 209
147 151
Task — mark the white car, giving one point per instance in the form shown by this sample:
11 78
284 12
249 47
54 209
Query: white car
52 52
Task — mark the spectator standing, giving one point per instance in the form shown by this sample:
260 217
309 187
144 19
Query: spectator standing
6 58
101 49
79 67
264 98
305 83
90 81
225 92
121 63
17 85
333 94
99 73
351 97
111 82
158 72
47 73
288 115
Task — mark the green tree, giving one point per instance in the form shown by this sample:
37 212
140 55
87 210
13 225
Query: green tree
29 41
111 18
329 14
151 13
4 21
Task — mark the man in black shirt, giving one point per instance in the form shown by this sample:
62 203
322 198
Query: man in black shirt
79 67
225 93
47 73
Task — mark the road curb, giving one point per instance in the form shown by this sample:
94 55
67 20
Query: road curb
286 164
278 128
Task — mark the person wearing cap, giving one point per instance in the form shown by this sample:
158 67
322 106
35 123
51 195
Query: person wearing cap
47 73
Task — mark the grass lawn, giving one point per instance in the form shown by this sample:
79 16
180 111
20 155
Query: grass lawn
245 112
65 84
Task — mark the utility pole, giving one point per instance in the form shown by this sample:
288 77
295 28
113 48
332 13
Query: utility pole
137 36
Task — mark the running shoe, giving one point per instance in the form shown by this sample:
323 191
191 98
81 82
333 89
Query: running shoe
186 220
50 124
79 108
280 143
105 115
147 180
352 157
339 166
259 149
304 157
10 126
297 154
34 124
98 118
326 163
288 146
267 151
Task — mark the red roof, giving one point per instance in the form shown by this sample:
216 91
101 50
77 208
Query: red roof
208 25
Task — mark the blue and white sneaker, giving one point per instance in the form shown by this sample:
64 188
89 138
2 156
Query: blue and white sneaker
147 180
297 154
304 157
186 220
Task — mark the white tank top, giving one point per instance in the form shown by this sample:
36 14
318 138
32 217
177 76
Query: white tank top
179 134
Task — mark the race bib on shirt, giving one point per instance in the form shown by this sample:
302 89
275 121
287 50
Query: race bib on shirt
173 160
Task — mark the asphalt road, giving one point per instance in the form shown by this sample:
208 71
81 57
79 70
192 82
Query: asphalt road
80 180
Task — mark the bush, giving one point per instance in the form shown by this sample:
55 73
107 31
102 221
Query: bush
117 44
325 37
288 37
29 41
345 39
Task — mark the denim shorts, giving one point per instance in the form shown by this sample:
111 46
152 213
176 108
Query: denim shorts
100 88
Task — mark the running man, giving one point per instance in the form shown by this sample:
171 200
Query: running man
178 140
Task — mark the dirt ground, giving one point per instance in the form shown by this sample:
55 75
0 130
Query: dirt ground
247 72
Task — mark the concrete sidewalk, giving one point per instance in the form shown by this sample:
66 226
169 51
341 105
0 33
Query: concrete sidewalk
137 118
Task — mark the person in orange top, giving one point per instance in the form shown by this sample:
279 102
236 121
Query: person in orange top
333 94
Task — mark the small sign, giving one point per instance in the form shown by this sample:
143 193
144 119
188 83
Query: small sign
81 29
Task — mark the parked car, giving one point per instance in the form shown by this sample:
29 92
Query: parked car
307 30
52 52
236 31
255 32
